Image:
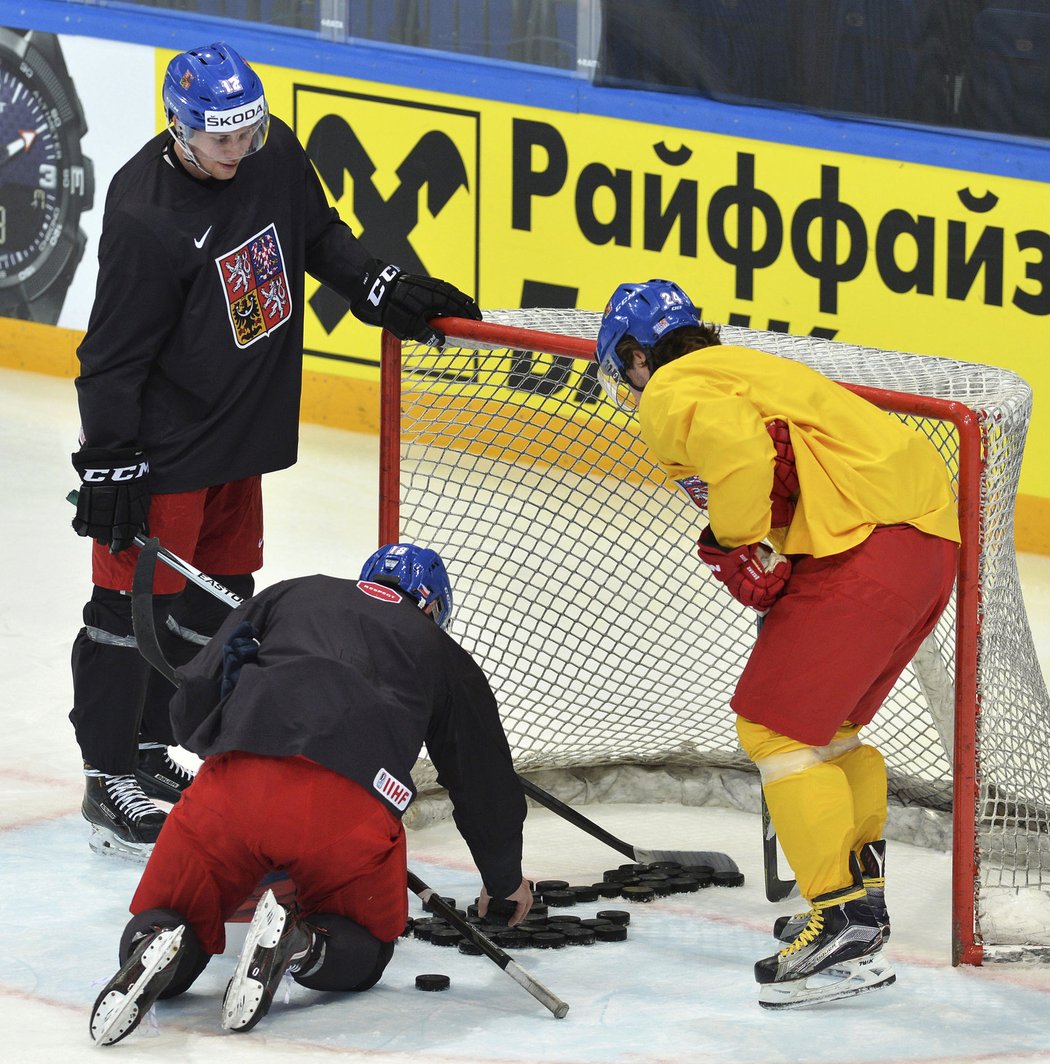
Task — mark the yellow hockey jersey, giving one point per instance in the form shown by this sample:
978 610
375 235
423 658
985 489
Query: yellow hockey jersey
705 415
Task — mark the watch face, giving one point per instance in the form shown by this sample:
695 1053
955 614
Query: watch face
40 179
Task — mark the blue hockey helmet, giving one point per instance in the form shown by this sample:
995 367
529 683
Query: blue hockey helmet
213 90
417 571
645 311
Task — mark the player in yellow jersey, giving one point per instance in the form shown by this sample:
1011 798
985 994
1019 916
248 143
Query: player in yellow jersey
860 511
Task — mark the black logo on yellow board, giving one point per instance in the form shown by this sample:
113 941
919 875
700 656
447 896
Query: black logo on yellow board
400 166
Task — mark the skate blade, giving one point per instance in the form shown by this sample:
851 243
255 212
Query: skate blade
244 994
105 842
844 980
118 1013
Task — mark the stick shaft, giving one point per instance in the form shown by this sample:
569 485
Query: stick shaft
555 805
434 902
183 568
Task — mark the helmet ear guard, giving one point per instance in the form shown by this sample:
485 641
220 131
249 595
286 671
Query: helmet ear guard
416 571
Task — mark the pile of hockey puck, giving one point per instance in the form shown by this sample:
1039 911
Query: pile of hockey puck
548 926
541 929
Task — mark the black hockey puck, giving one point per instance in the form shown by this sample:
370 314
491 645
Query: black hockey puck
445 936
607 889
594 924
423 929
543 885
433 982
548 940
471 949
635 869
500 911
665 866
617 875
450 902
615 916
538 909
728 879
585 894
513 939
577 935
615 933
563 918
559 899
639 893
683 885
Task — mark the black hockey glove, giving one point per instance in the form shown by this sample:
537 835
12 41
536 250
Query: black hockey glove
241 648
113 502
405 303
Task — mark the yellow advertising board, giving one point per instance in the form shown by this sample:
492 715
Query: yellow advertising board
526 206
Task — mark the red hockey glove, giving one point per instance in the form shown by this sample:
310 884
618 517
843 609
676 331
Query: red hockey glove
755 575
785 479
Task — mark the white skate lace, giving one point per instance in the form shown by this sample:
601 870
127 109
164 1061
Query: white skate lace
171 767
128 797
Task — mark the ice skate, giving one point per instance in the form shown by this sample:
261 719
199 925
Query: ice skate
838 954
159 776
130 994
873 864
275 942
124 822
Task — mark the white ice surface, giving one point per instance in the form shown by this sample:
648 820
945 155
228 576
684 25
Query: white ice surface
679 989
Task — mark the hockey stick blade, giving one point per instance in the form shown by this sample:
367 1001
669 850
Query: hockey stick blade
719 862
142 620
777 889
432 900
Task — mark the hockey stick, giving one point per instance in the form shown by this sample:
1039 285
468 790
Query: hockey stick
434 903
777 889
183 568
720 862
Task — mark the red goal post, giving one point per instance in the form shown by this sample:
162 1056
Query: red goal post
564 541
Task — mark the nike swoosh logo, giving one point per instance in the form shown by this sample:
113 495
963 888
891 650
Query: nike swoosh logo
200 243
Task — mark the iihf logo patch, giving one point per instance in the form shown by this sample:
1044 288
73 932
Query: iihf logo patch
395 792
256 287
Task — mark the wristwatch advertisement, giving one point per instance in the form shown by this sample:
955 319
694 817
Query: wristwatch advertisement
45 181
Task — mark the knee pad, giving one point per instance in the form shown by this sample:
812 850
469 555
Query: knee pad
351 957
192 958
865 770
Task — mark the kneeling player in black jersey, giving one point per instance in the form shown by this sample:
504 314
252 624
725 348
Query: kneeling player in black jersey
309 708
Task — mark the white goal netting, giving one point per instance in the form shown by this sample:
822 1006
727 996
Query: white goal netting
606 641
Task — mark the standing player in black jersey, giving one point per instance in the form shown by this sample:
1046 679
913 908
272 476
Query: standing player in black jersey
189 391
309 708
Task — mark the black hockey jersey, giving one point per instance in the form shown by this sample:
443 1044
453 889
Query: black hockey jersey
352 675
194 345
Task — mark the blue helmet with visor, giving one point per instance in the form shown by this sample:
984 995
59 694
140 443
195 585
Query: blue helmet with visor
213 90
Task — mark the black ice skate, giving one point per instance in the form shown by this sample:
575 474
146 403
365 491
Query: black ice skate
124 822
873 864
130 994
159 776
838 954
276 941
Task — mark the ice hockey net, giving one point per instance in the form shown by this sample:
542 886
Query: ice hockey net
606 643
